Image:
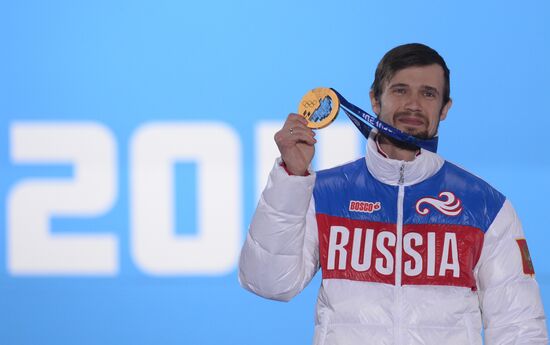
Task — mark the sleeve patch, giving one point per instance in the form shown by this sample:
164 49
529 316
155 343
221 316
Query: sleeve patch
525 257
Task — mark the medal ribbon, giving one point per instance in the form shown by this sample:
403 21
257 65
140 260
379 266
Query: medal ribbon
366 122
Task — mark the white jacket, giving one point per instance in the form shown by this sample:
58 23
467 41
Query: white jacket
389 275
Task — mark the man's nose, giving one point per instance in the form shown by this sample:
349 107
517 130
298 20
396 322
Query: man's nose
413 102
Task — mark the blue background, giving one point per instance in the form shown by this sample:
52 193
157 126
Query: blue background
125 63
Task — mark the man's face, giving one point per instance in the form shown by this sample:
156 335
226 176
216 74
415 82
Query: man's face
412 100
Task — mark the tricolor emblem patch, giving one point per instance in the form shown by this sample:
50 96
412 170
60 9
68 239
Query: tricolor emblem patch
525 257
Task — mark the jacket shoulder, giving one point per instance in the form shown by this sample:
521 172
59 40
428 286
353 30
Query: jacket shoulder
480 199
471 182
341 172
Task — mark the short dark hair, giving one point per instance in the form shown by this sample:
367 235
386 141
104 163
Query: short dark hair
408 55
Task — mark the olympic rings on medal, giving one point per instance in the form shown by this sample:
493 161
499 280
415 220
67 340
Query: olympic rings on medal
310 104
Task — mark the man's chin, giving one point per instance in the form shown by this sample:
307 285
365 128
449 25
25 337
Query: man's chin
416 133
401 144
423 135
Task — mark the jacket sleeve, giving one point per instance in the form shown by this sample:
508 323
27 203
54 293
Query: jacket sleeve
509 298
280 254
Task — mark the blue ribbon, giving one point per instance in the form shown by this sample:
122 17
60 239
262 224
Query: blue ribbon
366 122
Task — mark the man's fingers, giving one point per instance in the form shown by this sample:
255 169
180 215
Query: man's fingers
308 140
297 117
301 135
293 135
300 132
295 131
293 123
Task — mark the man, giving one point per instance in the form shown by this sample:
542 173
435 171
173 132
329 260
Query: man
413 249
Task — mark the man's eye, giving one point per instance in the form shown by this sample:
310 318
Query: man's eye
429 94
399 91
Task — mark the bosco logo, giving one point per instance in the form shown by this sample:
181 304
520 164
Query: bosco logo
364 206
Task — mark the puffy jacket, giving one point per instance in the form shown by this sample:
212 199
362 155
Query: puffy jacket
418 252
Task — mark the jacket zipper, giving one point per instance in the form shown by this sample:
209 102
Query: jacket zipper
398 252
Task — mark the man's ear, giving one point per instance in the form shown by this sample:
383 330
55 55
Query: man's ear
374 103
445 109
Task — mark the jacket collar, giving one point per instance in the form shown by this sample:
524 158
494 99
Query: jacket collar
388 171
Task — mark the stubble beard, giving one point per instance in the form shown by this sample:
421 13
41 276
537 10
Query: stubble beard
422 134
400 144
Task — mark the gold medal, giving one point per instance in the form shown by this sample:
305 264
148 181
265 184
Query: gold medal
320 107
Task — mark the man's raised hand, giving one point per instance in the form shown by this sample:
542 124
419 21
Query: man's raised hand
296 144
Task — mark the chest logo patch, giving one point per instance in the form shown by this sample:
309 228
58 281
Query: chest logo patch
364 206
447 204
